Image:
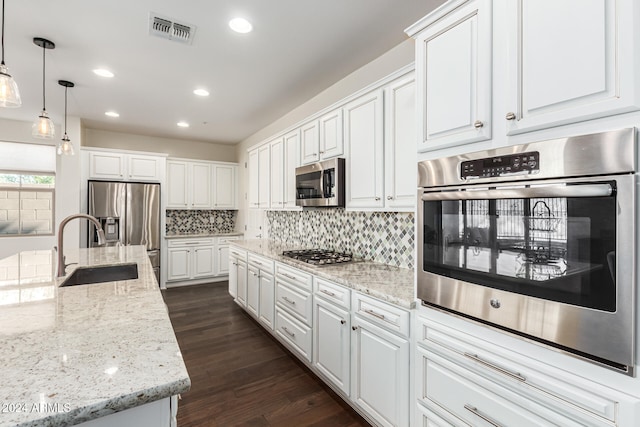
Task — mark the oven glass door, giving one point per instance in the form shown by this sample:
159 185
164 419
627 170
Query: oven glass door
555 242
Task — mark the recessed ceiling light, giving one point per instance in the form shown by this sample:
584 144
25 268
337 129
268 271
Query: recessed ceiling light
112 114
201 92
102 72
240 25
183 124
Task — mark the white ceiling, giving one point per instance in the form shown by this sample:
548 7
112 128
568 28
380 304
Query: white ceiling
297 49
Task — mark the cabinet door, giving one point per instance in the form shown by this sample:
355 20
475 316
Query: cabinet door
363 121
254 178
106 165
331 138
453 68
232 267
331 343
224 186
242 278
400 144
222 260
291 162
569 61
203 262
200 185
177 185
267 302
310 142
277 174
380 373
179 267
253 290
264 176
143 168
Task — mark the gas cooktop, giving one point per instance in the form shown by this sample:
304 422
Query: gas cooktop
319 256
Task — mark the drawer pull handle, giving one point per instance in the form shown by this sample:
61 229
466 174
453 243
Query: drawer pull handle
324 291
288 332
479 414
288 276
254 274
289 301
374 314
515 375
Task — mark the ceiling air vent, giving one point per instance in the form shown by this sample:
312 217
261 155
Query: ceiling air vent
167 28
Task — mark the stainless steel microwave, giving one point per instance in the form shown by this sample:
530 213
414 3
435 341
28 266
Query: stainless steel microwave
321 184
537 239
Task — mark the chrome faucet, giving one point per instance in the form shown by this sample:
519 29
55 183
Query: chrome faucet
101 238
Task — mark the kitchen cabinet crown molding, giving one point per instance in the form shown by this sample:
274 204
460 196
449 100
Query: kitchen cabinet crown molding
119 151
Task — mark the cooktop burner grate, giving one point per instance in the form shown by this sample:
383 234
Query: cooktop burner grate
319 256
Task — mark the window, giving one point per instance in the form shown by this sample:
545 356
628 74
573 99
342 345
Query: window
26 203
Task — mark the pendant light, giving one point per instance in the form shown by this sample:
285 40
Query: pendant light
43 126
9 94
65 147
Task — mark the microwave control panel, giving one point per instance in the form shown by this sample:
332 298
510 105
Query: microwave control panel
512 164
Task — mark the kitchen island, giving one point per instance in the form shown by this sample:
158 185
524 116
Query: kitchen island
72 355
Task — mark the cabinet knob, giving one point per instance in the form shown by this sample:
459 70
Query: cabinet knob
377 199
510 116
478 124
355 328
343 321
389 197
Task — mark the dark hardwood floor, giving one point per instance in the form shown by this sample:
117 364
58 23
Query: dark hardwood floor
240 375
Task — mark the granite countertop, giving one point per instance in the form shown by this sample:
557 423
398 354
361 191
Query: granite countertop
187 235
385 282
72 354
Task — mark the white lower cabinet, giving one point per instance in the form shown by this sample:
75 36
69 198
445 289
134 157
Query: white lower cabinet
237 267
159 413
222 254
261 289
465 377
380 360
190 259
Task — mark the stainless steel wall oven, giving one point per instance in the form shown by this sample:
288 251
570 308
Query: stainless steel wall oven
538 239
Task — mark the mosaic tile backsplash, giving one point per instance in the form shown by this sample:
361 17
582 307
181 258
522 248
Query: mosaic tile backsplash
200 221
386 237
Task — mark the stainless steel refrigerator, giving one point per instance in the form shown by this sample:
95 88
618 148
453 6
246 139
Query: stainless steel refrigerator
129 214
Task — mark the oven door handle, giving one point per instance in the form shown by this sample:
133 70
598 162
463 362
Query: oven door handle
581 190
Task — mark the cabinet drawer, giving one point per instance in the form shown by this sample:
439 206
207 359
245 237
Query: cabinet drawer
294 301
331 292
294 333
189 242
546 385
238 253
225 240
382 314
264 264
294 276
479 402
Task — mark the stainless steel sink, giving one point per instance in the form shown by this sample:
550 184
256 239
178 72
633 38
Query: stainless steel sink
108 273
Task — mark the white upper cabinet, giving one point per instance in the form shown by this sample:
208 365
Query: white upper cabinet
331 139
291 162
363 132
224 186
277 173
310 142
400 144
121 166
570 61
201 185
453 67
254 179
264 178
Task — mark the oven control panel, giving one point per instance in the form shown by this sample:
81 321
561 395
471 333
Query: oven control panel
512 164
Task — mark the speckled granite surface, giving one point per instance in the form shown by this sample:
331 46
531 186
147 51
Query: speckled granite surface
77 353
385 282
170 236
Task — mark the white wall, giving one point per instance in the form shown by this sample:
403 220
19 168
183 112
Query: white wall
394 59
173 147
67 187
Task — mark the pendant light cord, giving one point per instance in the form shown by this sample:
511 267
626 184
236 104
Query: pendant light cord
43 78
2 32
65 109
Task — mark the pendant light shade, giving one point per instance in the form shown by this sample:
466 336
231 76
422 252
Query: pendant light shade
65 147
43 126
9 93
